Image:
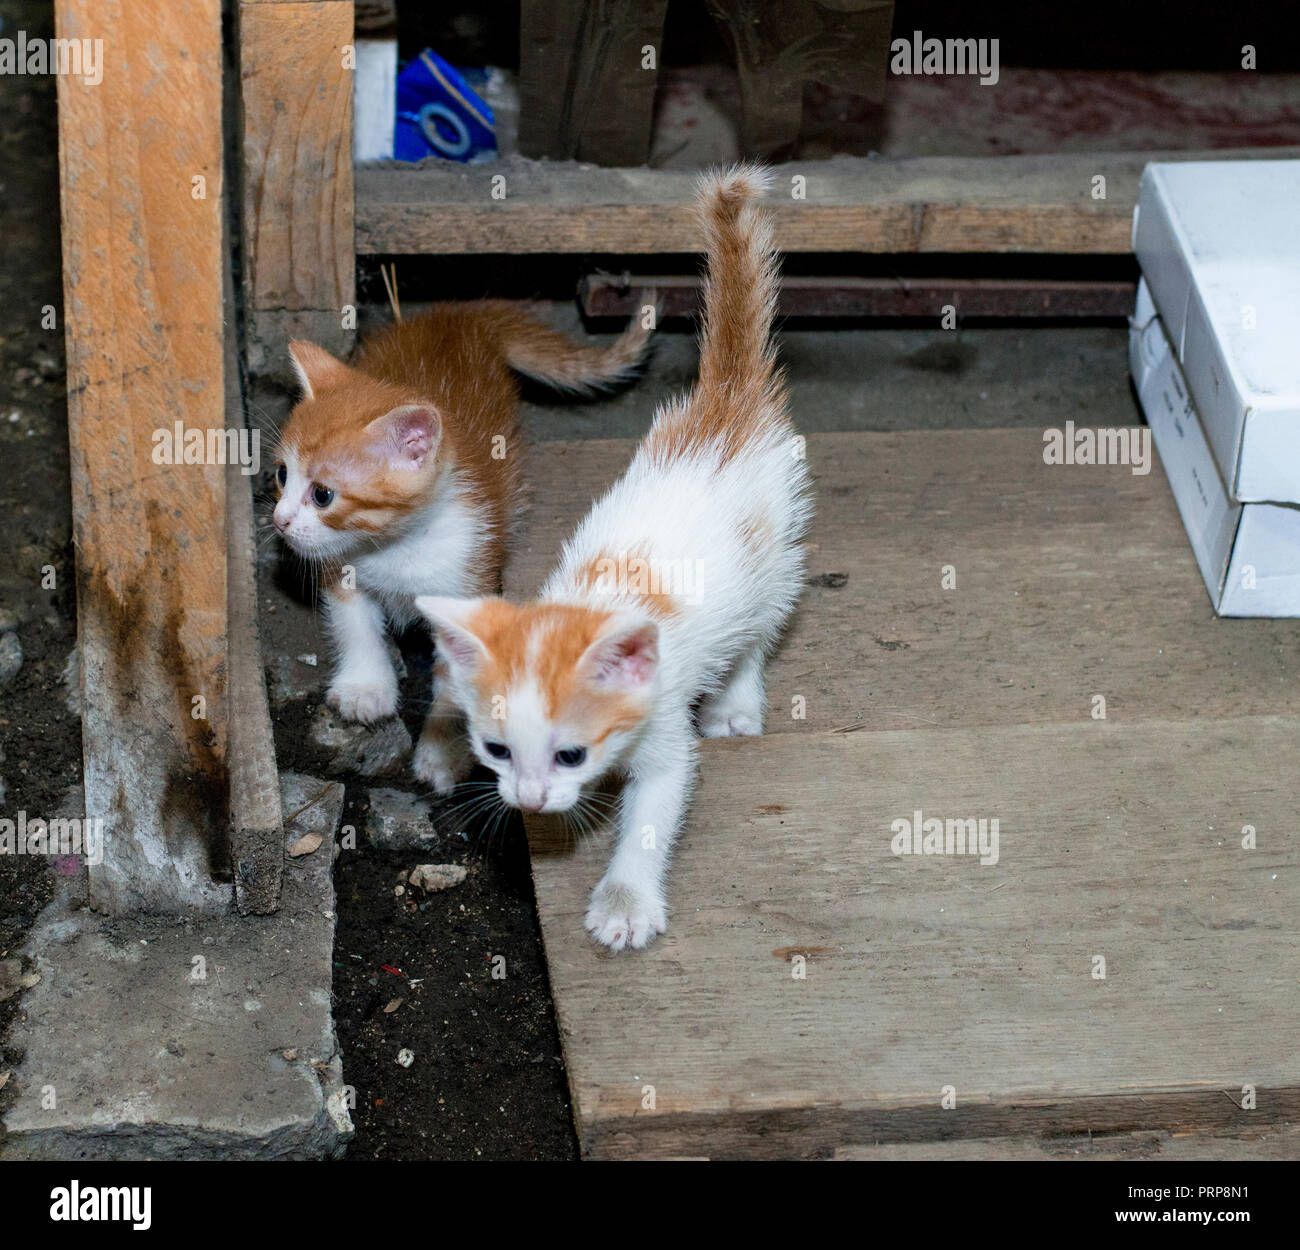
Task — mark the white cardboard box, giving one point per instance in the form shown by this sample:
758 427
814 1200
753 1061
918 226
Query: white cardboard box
1219 246
1249 554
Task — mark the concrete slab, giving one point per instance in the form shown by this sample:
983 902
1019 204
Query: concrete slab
208 1038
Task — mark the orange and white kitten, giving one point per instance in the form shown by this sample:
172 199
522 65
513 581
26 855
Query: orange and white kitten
399 475
667 600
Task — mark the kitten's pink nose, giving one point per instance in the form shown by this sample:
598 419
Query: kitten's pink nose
281 520
532 796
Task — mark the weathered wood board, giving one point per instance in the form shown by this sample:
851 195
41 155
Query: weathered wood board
1119 838
1275 1142
922 204
140 173
587 79
1120 842
296 98
1071 582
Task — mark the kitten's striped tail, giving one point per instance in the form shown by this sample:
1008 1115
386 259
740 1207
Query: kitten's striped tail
550 357
737 359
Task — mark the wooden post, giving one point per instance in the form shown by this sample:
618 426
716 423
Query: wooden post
140 159
586 79
781 45
299 269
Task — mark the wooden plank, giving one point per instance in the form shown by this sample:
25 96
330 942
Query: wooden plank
586 85
1280 1142
140 163
843 46
609 295
256 809
934 972
927 204
296 91
1038 622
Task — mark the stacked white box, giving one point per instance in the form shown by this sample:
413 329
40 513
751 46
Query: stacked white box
1219 246
1249 554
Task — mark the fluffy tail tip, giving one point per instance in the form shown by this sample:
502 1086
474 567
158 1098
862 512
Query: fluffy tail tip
734 185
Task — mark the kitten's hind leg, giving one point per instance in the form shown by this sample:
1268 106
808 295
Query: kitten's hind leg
365 685
442 756
737 709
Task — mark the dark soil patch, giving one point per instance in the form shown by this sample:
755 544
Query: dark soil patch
466 966
40 739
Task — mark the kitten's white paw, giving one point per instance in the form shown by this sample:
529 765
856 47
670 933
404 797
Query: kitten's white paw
438 766
621 916
725 724
363 701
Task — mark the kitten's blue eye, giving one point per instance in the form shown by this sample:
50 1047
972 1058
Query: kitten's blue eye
282 475
571 757
322 496
497 750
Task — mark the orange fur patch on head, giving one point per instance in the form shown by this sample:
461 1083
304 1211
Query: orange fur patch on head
330 436
543 644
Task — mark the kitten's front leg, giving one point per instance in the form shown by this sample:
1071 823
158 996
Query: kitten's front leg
365 685
443 756
629 905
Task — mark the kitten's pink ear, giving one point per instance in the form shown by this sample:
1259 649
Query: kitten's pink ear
625 656
459 646
408 435
317 370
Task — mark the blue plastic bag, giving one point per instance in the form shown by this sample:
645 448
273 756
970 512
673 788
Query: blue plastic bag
439 114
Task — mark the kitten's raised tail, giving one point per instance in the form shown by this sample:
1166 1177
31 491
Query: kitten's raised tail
737 360
544 354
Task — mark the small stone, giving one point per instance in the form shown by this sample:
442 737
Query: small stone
72 682
11 972
11 657
30 979
366 749
405 1057
392 1006
309 660
288 679
431 877
305 845
399 821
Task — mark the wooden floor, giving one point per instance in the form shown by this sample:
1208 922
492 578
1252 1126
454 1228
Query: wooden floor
1119 839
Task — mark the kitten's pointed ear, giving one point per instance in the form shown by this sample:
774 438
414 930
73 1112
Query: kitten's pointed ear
408 435
625 655
317 370
458 645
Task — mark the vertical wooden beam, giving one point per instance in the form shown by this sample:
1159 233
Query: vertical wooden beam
256 825
586 89
781 45
299 262
140 160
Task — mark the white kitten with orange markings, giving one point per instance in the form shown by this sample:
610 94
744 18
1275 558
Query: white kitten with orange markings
667 599
399 475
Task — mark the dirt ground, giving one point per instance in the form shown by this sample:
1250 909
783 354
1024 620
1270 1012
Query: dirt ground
40 739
